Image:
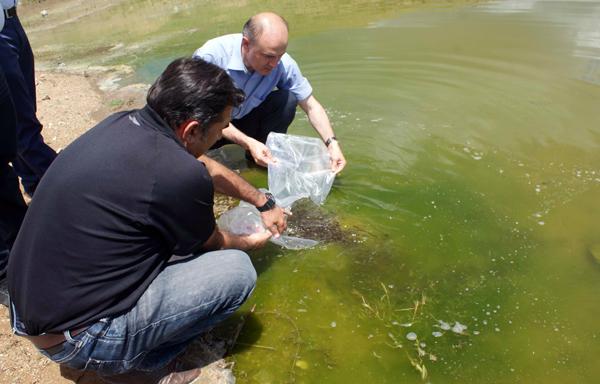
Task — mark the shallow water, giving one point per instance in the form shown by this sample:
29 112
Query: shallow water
472 193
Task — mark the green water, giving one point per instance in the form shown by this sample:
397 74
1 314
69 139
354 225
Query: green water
473 185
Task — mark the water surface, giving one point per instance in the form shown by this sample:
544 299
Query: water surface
472 193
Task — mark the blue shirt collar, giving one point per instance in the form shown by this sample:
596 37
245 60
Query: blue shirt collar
236 62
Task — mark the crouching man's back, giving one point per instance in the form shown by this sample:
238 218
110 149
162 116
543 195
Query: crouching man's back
89 277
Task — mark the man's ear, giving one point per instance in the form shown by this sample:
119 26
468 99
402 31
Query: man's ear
245 42
188 131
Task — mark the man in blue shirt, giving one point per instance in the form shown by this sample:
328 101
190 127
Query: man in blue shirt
258 63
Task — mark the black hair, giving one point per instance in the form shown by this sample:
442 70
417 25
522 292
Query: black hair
192 89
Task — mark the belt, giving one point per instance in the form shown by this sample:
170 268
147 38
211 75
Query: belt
52 342
10 12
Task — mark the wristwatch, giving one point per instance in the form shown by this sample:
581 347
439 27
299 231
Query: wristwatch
328 141
270 204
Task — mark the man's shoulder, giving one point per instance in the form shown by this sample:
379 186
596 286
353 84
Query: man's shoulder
288 63
221 46
184 184
181 169
229 39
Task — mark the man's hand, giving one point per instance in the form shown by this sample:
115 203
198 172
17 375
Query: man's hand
256 240
336 157
226 240
260 153
275 220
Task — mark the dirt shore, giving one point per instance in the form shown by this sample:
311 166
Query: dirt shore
68 105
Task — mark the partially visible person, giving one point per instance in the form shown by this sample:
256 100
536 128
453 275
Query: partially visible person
16 59
90 277
257 61
12 205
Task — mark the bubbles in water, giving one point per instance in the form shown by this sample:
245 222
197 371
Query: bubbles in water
411 336
458 327
333 324
437 334
443 325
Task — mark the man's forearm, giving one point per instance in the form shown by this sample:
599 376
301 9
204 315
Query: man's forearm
231 184
318 117
236 136
223 240
319 120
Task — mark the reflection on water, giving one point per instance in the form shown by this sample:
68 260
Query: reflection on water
509 6
470 203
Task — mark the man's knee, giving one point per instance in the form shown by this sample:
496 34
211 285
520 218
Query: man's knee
241 275
287 101
282 111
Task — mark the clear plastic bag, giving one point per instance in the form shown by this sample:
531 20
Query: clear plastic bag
245 220
302 169
241 220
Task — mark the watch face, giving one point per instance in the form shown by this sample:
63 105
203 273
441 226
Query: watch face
269 204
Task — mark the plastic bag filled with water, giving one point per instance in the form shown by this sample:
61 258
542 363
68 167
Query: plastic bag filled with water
245 220
302 169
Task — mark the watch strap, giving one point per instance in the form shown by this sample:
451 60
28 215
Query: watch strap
270 204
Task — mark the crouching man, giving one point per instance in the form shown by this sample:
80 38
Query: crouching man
90 280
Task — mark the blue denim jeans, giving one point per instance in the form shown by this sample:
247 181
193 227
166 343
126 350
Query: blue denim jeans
188 298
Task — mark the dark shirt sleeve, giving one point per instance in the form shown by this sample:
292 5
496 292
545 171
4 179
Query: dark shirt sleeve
182 206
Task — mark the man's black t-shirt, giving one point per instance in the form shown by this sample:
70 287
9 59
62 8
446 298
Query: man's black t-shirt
110 211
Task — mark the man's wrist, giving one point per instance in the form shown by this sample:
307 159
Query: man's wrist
330 140
268 204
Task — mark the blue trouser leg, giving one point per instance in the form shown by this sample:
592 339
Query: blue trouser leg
186 299
12 205
275 114
16 58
